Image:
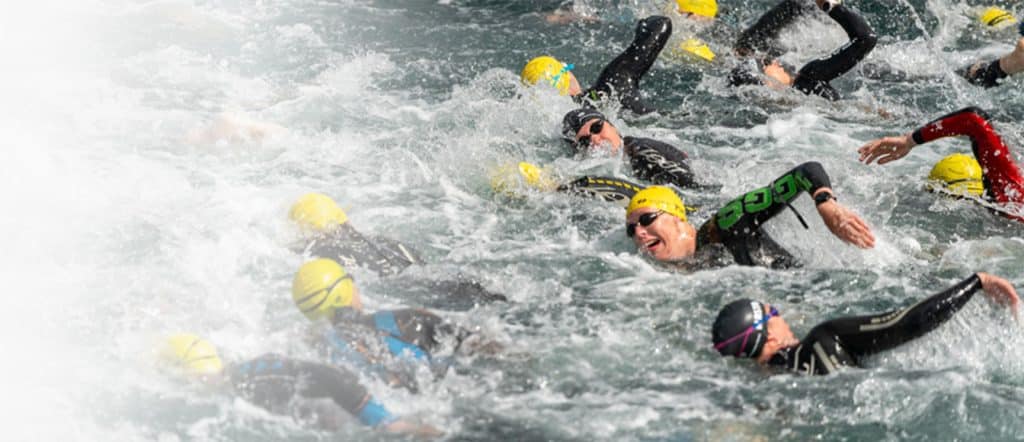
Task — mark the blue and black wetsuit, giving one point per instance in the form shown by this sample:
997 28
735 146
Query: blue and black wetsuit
815 76
736 228
621 78
373 342
274 382
841 342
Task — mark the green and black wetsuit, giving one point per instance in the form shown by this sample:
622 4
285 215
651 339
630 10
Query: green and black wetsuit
841 342
736 228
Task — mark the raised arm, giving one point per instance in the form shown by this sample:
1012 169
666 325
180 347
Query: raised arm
865 335
747 212
762 36
622 76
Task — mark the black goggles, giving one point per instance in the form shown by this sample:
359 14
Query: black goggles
644 220
595 128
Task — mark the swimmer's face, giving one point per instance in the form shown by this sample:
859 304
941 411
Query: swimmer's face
664 239
574 85
779 336
597 133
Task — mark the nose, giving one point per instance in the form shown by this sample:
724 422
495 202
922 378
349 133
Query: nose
642 235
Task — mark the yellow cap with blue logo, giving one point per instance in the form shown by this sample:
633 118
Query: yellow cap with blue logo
550 70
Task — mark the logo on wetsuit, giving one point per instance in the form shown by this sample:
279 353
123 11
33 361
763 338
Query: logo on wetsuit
782 190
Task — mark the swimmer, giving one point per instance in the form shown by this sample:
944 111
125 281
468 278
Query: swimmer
989 74
755 330
328 233
991 174
660 163
759 44
619 79
656 221
323 291
286 386
510 180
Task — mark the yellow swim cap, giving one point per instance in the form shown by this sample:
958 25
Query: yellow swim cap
193 354
960 174
996 17
695 48
320 287
510 178
550 70
659 197
317 212
704 8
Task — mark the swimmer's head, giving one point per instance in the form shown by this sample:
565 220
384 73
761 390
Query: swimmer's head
586 128
573 121
191 355
551 71
317 212
958 174
657 197
741 328
996 18
703 8
321 287
509 179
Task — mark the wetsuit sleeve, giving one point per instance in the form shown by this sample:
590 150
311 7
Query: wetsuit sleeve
609 189
864 335
813 78
1003 177
351 248
622 76
984 74
658 162
272 381
763 35
747 212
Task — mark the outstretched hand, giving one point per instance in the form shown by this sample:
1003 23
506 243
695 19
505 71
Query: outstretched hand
846 225
886 149
1001 292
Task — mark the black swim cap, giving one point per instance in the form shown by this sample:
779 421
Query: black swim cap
575 119
732 333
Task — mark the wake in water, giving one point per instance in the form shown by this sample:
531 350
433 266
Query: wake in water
155 151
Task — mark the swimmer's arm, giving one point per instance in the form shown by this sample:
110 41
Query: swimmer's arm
760 37
893 148
865 335
607 188
373 414
750 210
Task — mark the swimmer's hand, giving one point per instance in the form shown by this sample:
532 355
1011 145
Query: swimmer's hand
412 429
846 225
1001 292
886 149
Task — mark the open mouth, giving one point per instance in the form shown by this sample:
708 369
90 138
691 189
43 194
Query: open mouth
652 244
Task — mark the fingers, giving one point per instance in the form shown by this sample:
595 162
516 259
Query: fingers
856 231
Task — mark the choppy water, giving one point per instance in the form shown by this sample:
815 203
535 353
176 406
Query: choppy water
124 222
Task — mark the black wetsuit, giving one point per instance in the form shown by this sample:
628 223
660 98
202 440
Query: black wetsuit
613 190
736 228
274 382
841 342
815 76
621 77
659 163
350 248
388 258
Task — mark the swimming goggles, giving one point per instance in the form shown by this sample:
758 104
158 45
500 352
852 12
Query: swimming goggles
558 76
595 129
749 331
644 220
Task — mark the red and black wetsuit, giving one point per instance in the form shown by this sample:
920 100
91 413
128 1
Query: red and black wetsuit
1004 182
